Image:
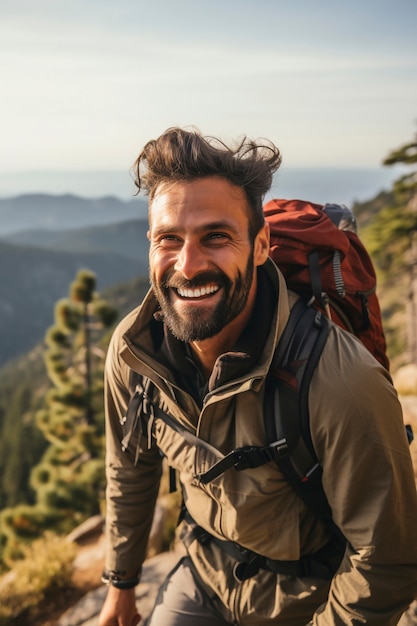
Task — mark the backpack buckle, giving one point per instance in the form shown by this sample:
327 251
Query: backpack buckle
255 456
280 447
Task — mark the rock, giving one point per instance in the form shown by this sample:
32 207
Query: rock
409 406
91 528
405 379
86 611
90 558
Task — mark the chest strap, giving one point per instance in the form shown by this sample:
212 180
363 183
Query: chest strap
142 412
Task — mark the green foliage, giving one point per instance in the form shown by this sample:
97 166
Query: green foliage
388 224
67 317
68 481
21 443
365 212
24 400
44 570
406 155
82 289
388 237
23 524
104 312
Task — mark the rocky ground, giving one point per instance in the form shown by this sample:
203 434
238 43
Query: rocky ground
86 611
83 603
80 604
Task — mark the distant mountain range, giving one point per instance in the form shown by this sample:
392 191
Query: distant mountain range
40 255
61 212
128 239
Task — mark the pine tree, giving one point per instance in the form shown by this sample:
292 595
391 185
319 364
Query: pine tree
391 241
389 238
405 155
69 480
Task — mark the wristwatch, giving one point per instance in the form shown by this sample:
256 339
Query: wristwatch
114 578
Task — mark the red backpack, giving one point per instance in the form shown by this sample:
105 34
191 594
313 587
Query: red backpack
322 258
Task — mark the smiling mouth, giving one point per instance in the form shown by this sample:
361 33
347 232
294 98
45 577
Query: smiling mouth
198 292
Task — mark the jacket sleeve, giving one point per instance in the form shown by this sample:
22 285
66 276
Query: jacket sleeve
358 432
132 489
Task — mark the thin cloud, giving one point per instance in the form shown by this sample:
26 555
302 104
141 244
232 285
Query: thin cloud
85 83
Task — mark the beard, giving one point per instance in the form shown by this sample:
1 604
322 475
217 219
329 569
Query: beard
201 323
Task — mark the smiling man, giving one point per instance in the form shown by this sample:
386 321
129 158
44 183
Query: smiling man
195 356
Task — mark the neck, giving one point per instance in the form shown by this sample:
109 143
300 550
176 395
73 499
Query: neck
208 350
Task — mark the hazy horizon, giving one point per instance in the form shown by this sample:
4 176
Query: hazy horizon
318 184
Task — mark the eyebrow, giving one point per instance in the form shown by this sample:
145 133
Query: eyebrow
208 227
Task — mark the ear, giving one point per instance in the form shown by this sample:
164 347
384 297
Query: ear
261 246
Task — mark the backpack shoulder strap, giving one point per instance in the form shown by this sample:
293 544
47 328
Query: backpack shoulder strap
286 406
137 422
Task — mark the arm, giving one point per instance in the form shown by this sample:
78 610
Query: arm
358 432
132 490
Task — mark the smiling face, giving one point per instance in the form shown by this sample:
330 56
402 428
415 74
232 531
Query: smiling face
202 261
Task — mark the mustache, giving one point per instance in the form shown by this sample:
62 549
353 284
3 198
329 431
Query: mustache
172 280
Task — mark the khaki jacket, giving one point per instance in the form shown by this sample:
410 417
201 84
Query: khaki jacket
358 434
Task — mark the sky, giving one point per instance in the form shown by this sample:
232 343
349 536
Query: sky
86 83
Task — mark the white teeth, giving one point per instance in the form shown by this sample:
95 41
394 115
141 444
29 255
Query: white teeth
197 293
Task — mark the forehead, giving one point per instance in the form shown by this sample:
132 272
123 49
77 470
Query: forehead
190 202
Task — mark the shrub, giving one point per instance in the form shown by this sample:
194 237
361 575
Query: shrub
46 568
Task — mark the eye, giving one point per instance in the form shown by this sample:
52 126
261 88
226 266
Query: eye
168 241
217 237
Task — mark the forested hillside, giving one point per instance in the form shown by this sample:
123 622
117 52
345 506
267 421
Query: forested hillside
388 226
127 238
33 279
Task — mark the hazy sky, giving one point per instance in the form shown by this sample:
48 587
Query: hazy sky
85 83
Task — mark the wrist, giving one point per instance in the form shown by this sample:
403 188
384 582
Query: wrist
117 580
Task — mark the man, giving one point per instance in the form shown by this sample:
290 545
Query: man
205 336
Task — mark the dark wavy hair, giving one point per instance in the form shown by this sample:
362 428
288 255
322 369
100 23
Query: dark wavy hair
186 155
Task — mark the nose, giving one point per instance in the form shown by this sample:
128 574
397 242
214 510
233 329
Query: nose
191 260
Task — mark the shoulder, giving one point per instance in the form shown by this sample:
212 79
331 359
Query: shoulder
345 358
352 397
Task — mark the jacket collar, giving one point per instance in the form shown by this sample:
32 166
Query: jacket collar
152 344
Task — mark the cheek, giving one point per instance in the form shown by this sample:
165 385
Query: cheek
160 262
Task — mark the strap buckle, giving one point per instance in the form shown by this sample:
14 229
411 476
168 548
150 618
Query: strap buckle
244 570
245 458
255 456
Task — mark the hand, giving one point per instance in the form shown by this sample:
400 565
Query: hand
119 608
